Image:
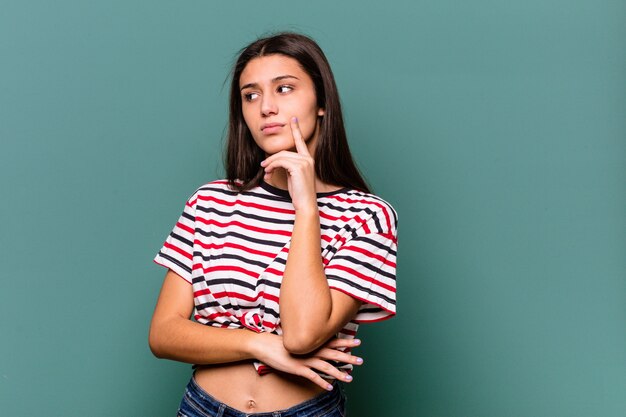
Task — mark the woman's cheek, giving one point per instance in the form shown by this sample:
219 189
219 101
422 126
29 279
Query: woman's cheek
307 127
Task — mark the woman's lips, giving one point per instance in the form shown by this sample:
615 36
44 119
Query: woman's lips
270 128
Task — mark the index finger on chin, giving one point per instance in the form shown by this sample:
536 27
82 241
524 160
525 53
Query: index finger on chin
297 137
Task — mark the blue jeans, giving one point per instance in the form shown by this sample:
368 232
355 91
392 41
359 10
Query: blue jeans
198 403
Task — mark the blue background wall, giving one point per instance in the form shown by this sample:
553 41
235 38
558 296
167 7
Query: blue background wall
496 128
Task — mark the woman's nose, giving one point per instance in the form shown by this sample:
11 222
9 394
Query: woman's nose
268 105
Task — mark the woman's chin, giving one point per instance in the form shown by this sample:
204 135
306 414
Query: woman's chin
275 146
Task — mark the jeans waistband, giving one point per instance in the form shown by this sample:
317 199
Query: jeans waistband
326 401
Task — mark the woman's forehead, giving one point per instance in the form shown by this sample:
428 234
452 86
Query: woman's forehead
268 68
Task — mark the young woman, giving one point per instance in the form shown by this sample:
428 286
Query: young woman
280 262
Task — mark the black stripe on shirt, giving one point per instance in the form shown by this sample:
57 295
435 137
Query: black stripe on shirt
175 261
245 215
242 237
352 284
367 265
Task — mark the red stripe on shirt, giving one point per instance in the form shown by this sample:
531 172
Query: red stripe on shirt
370 255
226 268
274 271
200 317
204 291
337 237
260 294
212 222
185 228
247 204
234 246
179 250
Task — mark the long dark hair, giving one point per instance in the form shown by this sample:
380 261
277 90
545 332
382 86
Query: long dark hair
333 161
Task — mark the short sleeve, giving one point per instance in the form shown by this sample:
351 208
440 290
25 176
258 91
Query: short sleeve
177 251
365 268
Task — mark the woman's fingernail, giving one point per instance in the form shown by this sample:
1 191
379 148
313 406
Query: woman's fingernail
357 342
348 378
294 119
329 387
359 360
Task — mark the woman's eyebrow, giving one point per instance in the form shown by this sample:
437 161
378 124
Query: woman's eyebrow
274 80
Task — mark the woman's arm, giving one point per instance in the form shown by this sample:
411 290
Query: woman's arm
174 336
310 312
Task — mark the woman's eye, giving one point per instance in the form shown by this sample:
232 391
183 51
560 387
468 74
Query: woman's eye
284 88
250 96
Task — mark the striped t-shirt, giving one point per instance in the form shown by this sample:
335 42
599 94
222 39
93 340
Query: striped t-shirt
232 247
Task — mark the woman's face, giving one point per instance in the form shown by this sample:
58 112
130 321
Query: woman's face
274 88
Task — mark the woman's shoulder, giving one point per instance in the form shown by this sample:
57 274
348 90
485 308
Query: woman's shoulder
209 190
219 185
369 203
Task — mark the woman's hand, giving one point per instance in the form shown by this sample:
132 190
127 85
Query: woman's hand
272 353
300 169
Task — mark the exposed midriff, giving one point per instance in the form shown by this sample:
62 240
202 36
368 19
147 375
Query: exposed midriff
238 385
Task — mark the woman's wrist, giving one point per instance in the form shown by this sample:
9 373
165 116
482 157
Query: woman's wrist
309 212
253 344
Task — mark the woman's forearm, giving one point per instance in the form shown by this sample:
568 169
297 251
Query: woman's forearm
183 340
305 299
174 336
